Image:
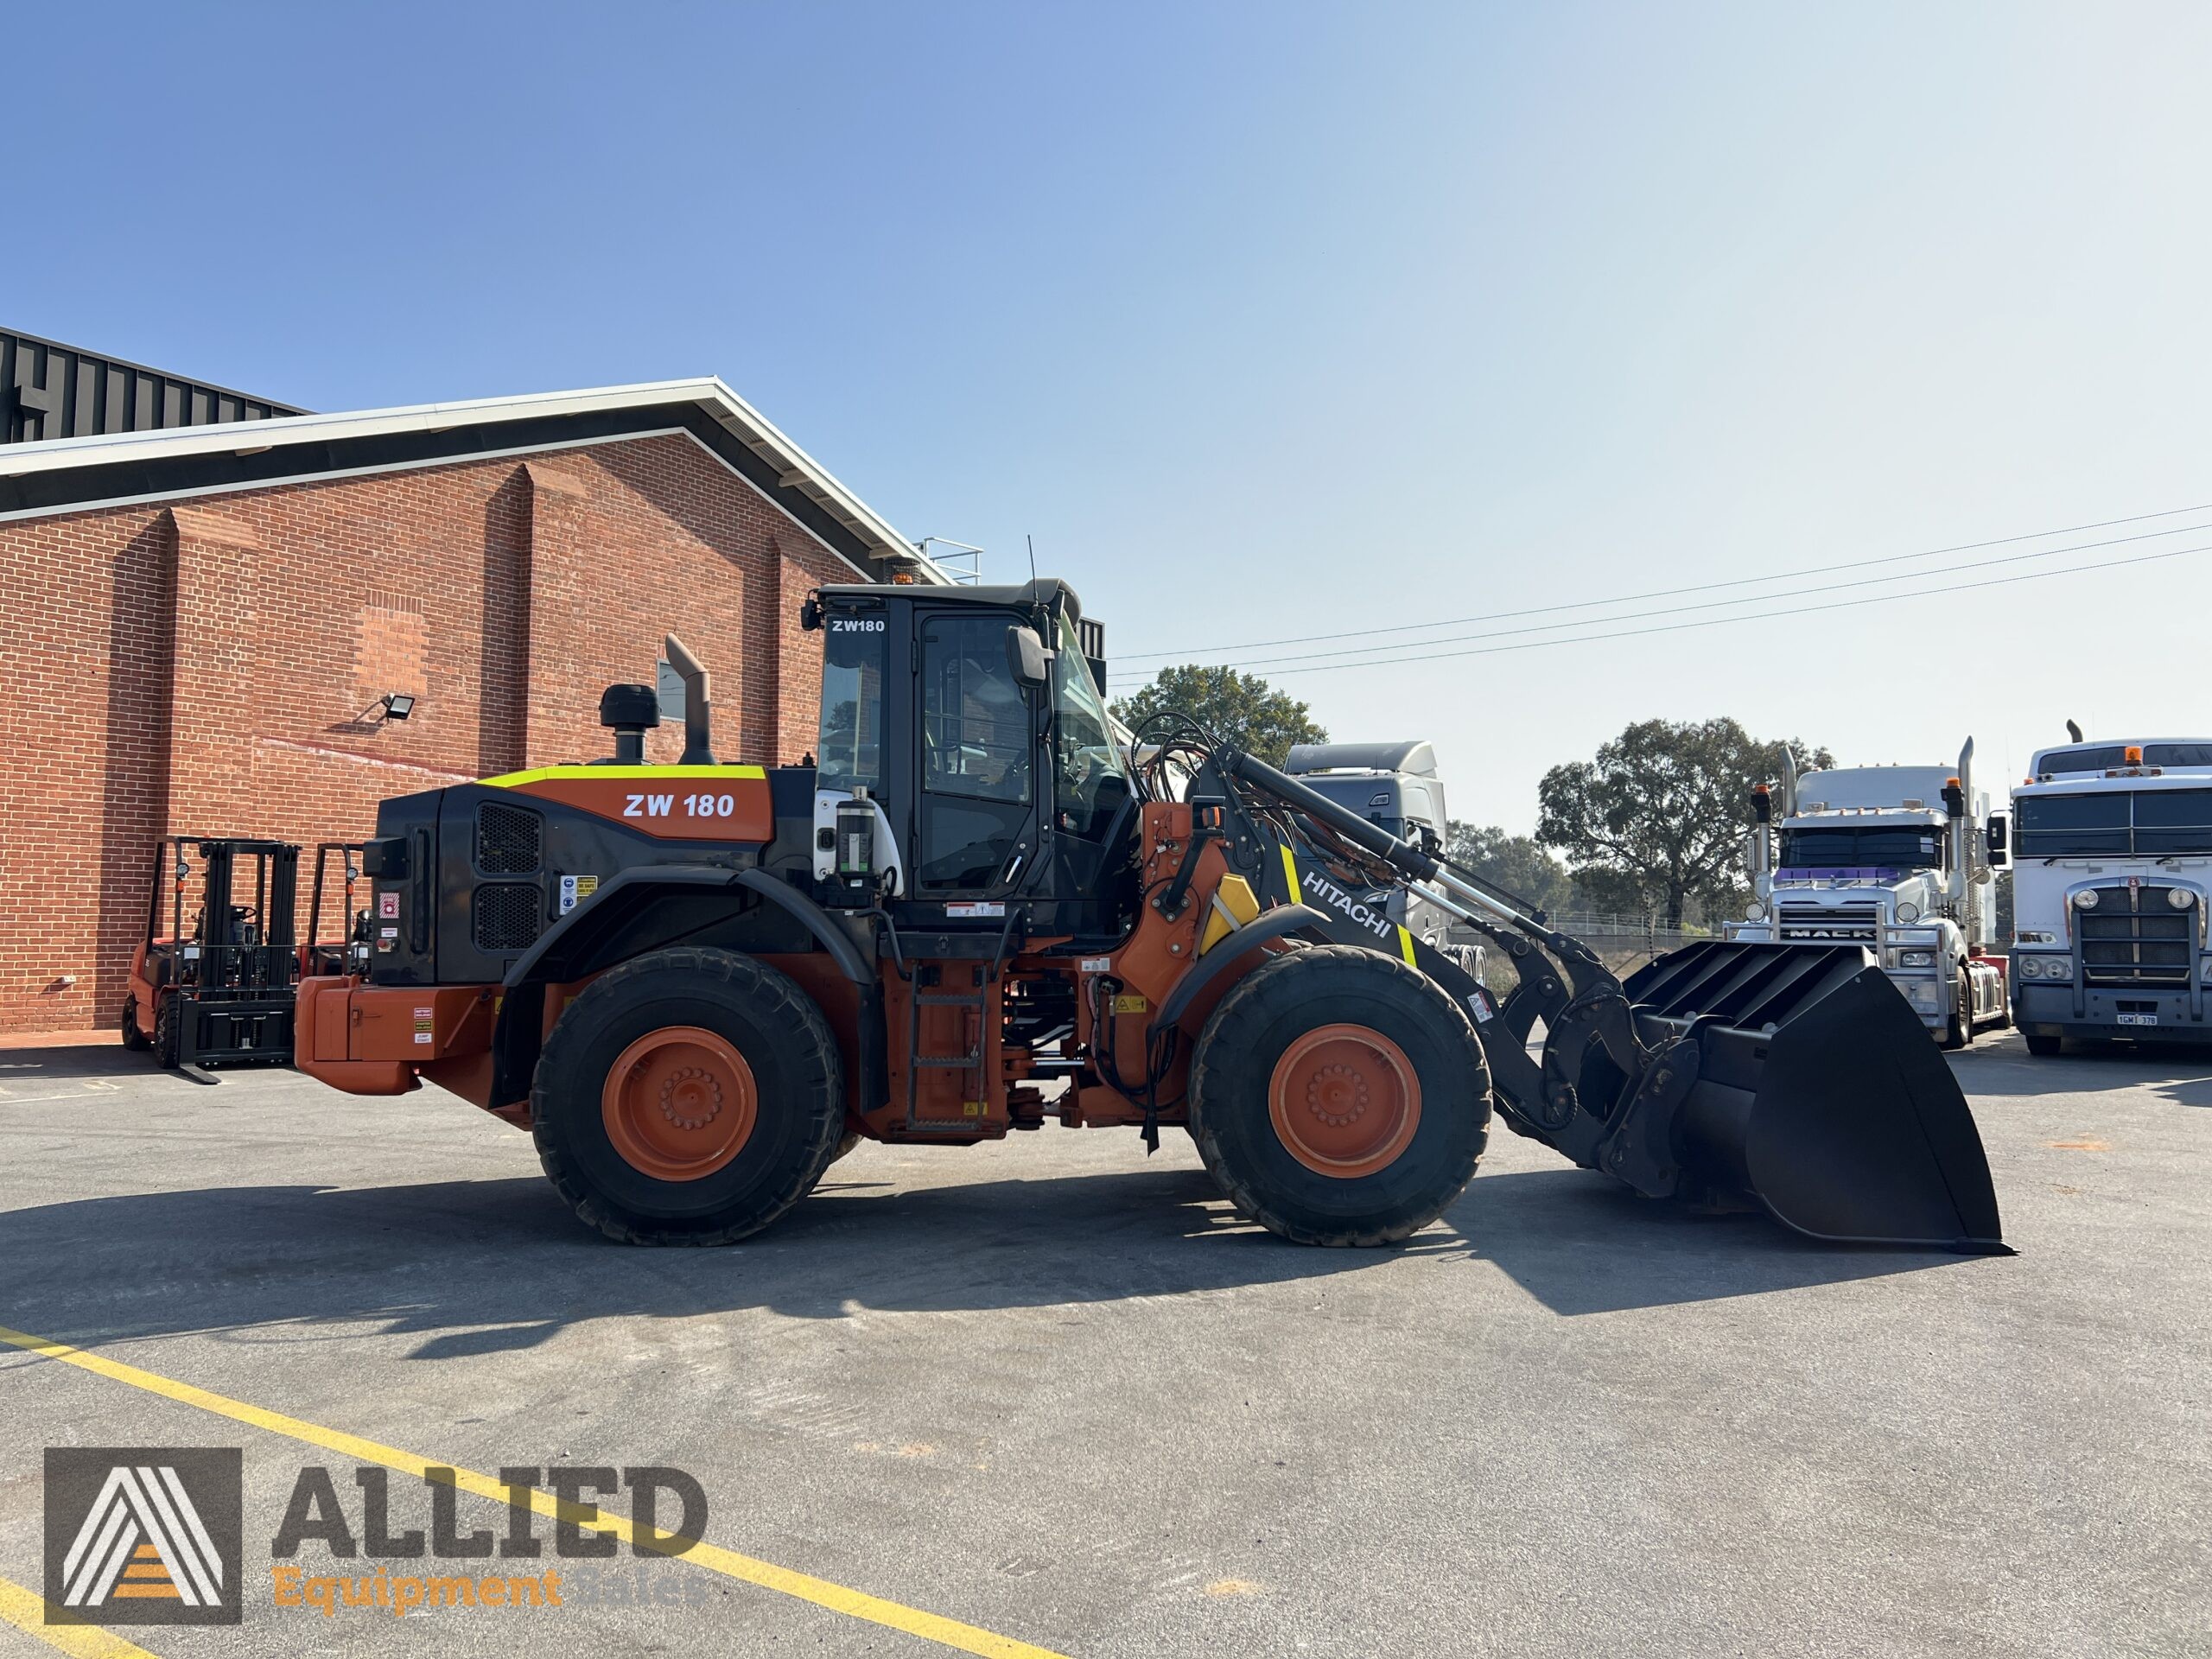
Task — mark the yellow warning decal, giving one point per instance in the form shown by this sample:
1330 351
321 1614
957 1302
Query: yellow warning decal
1290 872
1405 944
516 779
1130 1004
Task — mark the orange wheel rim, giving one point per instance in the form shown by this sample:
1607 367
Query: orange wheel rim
1344 1101
679 1103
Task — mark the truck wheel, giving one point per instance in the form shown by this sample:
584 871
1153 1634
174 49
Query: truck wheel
2042 1047
688 1097
133 1038
1339 1097
1958 1028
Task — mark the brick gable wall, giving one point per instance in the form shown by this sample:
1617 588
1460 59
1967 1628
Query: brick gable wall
214 666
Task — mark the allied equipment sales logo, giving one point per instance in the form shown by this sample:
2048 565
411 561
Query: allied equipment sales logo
152 1535
143 1535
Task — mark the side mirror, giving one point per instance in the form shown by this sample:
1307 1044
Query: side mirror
1026 655
1995 836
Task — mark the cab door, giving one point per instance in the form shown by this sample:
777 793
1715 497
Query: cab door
976 799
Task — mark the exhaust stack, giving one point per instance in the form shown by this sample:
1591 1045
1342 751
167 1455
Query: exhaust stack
698 704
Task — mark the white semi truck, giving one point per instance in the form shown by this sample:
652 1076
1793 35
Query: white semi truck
2113 867
1901 860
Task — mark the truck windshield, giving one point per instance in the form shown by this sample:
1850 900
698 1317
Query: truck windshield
1372 798
1889 846
2119 824
851 750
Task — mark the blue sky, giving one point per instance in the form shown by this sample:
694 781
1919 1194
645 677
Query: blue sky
1269 322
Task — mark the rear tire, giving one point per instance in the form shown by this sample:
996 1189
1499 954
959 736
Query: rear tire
133 1038
2042 1047
688 1097
1339 1097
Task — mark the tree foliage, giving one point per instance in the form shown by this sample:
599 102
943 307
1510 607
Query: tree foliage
1236 708
1516 863
1658 818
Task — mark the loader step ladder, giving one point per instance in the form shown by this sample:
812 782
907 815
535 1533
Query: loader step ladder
975 1001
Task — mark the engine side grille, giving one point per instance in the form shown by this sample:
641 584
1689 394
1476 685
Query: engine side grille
506 915
1830 923
2135 937
507 839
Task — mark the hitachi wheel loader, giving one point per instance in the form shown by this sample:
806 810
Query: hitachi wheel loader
697 985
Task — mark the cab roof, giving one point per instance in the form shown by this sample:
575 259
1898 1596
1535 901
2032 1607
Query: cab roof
1047 593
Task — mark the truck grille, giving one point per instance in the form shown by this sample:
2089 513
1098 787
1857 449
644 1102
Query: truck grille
1830 923
2135 937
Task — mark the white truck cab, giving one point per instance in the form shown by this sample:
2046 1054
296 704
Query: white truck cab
1899 859
2113 851
1396 787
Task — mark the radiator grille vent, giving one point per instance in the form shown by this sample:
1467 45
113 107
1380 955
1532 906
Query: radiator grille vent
506 915
506 840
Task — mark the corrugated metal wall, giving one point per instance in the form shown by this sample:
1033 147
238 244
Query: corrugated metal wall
52 390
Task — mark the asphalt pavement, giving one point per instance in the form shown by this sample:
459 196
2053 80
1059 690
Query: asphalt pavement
1056 1392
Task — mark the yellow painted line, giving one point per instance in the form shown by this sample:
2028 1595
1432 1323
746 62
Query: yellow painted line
1406 946
516 779
26 1610
838 1597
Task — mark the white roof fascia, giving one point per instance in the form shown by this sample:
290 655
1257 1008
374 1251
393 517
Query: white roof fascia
795 467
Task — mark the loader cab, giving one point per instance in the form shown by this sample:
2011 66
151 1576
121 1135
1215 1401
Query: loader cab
972 717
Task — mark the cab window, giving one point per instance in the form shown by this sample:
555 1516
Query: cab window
851 738
1089 781
975 737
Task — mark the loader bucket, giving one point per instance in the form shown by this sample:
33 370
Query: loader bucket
1820 1096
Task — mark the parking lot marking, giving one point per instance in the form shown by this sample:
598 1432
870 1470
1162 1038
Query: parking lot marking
803 1586
26 1610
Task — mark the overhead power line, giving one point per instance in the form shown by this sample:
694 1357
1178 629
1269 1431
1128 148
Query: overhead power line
1197 653
1755 616
1712 604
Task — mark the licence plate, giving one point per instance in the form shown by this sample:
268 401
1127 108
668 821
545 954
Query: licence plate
2138 1018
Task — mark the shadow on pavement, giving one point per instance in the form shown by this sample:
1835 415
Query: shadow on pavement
2178 1072
1580 1244
486 1267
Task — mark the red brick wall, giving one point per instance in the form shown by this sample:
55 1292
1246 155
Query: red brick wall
210 667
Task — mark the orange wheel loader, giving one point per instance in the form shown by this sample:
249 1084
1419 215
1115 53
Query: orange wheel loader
971 910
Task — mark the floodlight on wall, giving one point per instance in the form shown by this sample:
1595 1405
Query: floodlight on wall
398 705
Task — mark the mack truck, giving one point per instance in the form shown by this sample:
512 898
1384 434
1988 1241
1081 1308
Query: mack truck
2114 867
1900 860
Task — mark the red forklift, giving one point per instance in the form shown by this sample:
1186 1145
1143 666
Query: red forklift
216 987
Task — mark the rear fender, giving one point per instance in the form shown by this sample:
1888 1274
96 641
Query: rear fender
591 938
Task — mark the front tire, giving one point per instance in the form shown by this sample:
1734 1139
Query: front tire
1958 1028
1339 1097
169 1045
688 1097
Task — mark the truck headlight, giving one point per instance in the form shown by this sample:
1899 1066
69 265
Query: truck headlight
1908 911
1755 912
2086 899
2180 898
1915 959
